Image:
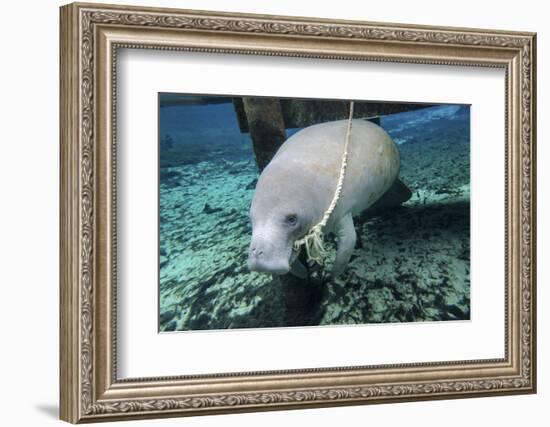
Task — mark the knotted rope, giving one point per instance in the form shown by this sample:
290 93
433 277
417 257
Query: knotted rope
313 240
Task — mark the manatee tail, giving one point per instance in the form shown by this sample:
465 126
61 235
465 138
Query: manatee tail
397 194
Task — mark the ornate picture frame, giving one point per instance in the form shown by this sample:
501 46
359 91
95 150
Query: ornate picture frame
90 37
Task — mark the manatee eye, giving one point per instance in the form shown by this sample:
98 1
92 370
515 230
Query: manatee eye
291 219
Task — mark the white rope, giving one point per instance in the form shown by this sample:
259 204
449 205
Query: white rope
313 240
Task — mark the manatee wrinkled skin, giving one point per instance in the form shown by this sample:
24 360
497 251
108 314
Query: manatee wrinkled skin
296 188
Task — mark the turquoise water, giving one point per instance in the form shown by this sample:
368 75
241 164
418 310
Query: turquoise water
410 263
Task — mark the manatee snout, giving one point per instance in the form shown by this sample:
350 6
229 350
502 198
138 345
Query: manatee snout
266 257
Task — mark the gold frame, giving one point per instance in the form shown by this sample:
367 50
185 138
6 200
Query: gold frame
90 36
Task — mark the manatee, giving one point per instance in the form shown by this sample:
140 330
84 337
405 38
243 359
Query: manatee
297 186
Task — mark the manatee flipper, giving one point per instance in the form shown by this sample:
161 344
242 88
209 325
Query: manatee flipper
298 269
396 195
345 231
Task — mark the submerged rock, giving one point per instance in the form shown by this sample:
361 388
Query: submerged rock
252 184
209 209
170 327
